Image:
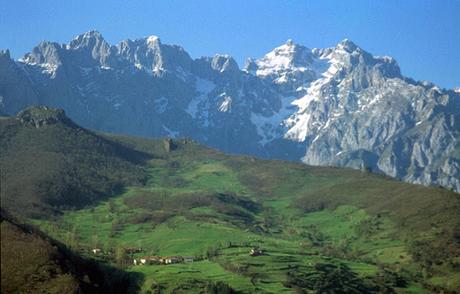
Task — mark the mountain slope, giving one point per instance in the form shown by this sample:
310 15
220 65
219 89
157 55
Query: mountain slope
47 161
333 106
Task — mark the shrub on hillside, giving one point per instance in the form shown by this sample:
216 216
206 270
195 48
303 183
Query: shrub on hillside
163 205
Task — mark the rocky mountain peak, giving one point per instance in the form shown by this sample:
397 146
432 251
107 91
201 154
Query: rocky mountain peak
153 40
5 61
5 54
46 53
224 63
88 39
250 65
150 55
287 59
348 59
92 49
347 45
294 54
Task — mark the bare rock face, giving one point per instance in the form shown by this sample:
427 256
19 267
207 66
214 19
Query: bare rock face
336 106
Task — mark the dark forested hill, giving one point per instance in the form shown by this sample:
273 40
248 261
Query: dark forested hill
33 263
47 161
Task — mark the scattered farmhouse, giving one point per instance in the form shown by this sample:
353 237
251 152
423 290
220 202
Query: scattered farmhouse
96 250
173 259
148 260
256 252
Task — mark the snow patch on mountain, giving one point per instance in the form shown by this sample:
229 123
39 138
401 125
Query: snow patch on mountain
271 127
226 103
49 69
299 124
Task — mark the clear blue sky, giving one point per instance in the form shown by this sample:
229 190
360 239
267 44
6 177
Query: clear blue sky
423 36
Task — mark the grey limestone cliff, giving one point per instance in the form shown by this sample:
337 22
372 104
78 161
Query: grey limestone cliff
336 106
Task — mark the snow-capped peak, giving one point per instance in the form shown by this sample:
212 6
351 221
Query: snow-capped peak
347 45
92 34
286 57
152 39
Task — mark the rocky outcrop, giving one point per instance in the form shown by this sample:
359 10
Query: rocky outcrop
42 116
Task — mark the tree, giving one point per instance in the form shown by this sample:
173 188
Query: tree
116 226
111 206
218 288
328 278
212 252
121 257
72 238
95 241
109 245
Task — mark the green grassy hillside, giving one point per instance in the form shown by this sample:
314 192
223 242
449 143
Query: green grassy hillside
320 230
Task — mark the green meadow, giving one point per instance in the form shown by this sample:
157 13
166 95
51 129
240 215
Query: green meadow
312 225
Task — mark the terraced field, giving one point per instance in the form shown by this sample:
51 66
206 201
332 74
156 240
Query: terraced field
310 223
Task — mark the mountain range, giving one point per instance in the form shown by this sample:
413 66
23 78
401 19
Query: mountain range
338 106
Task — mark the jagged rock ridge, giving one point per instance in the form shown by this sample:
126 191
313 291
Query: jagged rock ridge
333 106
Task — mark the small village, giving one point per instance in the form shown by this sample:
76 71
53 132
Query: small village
158 260
165 260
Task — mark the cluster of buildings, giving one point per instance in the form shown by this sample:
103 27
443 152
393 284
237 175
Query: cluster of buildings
150 260
161 260
129 250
